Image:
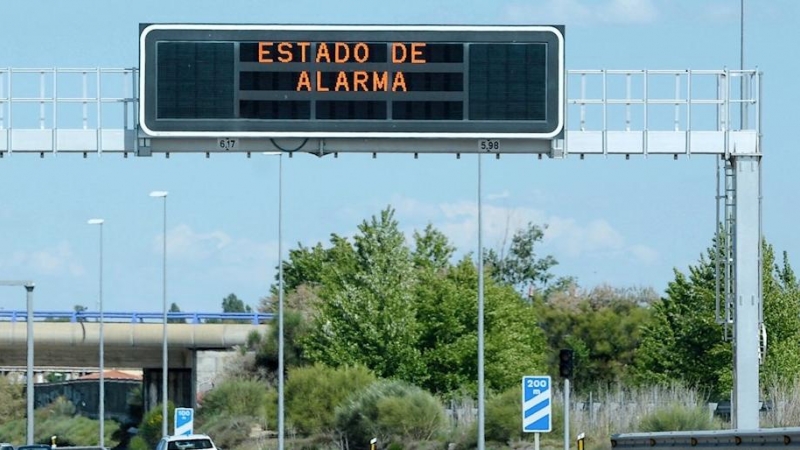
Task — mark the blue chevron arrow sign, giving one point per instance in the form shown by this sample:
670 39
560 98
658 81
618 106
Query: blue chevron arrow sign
536 404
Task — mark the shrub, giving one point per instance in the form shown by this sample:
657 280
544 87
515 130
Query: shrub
12 400
677 417
235 397
390 411
503 420
229 432
313 393
417 416
138 443
150 428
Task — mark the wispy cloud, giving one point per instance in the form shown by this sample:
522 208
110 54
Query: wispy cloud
499 195
184 243
565 237
229 258
57 260
583 12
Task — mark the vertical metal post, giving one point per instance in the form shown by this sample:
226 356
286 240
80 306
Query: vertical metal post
41 100
566 413
100 119
85 105
164 358
29 369
481 387
164 350
747 241
743 86
281 369
102 388
55 111
3 76
102 353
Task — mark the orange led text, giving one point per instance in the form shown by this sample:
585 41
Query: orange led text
343 53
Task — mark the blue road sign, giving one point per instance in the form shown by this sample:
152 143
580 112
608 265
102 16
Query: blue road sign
184 421
537 414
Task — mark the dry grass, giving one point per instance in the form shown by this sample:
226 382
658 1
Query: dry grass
600 414
620 410
784 409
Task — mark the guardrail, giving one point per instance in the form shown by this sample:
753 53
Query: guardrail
136 317
763 438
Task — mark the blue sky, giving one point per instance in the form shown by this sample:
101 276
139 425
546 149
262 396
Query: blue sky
611 220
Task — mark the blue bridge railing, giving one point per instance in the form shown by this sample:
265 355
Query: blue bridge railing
137 317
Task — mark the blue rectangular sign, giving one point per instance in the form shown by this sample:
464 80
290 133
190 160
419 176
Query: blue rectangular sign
537 414
184 421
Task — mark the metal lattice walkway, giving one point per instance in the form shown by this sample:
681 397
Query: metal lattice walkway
628 112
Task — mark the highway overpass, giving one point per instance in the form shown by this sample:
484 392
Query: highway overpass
198 344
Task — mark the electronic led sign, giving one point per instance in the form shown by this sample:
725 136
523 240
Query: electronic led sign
351 81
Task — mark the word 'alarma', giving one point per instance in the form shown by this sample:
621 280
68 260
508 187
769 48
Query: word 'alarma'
343 53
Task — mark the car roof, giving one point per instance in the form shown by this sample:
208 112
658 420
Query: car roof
186 437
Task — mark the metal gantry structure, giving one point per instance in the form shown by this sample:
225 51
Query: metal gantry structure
623 113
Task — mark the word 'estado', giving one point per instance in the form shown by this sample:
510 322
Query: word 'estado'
341 53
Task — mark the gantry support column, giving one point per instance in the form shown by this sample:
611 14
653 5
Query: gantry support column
747 242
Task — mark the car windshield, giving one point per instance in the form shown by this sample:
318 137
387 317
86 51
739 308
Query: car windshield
190 444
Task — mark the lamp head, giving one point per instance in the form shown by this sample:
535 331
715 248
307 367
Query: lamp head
158 194
95 221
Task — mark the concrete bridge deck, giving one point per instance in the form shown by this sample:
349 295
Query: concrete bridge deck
133 340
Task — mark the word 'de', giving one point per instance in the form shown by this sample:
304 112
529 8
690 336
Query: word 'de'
343 53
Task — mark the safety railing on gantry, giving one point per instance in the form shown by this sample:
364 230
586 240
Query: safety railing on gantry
626 112
672 112
53 110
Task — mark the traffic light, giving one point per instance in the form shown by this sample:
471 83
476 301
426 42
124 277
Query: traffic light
565 362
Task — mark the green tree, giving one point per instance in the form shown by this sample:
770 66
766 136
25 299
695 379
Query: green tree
432 249
295 328
781 319
519 265
318 266
174 308
367 318
233 304
684 342
602 326
447 313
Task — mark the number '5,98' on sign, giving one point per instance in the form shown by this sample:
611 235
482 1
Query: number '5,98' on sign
484 82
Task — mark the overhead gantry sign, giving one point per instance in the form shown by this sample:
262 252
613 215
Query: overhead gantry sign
351 81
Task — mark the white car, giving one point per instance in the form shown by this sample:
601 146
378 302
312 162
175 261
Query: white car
187 442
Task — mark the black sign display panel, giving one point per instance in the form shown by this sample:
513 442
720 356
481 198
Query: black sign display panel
351 81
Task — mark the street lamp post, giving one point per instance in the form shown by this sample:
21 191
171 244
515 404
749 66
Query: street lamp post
481 386
102 389
281 425
29 370
164 360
